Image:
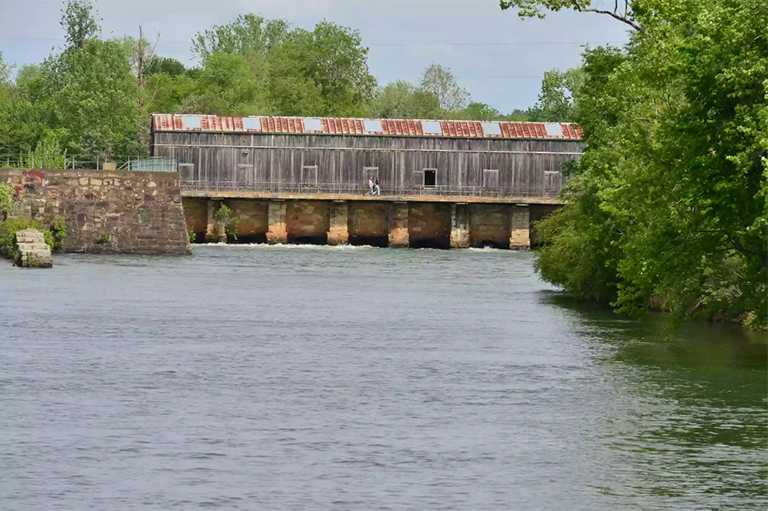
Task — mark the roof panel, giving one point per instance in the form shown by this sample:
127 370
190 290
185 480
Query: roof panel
191 122
431 127
251 123
491 128
313 124
373 126
348 126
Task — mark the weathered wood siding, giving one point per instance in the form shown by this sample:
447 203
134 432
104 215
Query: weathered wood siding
334 163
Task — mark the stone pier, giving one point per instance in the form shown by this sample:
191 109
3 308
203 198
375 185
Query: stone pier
252 219
398 225
520 236
30 250
429 225
276 227
489 225
338 232
460 226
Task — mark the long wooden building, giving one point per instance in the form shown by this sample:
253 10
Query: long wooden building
331 155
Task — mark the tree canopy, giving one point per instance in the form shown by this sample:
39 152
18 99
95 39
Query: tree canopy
94 96
667 208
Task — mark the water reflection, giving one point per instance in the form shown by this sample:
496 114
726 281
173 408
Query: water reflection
696 422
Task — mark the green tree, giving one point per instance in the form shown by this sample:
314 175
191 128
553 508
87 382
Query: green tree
516 115
402 100
667 208
480 112
20 122
439 80
92 94
230 84
622 11
169 66
557 97
79 22
323 72
248 33
165 93
5 72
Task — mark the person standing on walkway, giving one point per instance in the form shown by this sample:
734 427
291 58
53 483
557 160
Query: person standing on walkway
370 186
376 189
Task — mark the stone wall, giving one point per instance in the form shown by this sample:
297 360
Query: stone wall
106 211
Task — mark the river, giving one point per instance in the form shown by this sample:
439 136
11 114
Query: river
284 378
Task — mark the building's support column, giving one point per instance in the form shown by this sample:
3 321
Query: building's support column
459 226
520 236
398 225
277 232
213 231
338 231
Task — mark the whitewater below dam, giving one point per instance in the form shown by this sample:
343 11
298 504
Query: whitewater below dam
281 378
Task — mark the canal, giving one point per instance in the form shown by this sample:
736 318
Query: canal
258 377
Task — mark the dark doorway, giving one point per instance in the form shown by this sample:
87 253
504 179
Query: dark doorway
430 177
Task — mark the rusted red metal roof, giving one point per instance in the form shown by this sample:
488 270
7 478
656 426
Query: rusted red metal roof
345 126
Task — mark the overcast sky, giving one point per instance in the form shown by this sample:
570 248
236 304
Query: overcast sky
497 57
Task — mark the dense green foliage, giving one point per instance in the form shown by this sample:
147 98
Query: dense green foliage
6 200
556 99
93 98
667 208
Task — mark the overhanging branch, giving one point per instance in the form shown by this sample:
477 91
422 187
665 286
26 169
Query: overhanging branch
612 14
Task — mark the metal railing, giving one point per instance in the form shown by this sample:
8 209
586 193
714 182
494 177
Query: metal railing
132 163
362 189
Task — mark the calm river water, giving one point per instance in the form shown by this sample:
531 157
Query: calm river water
298 378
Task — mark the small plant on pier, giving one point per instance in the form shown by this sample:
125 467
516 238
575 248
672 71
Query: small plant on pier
58 232
227 224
